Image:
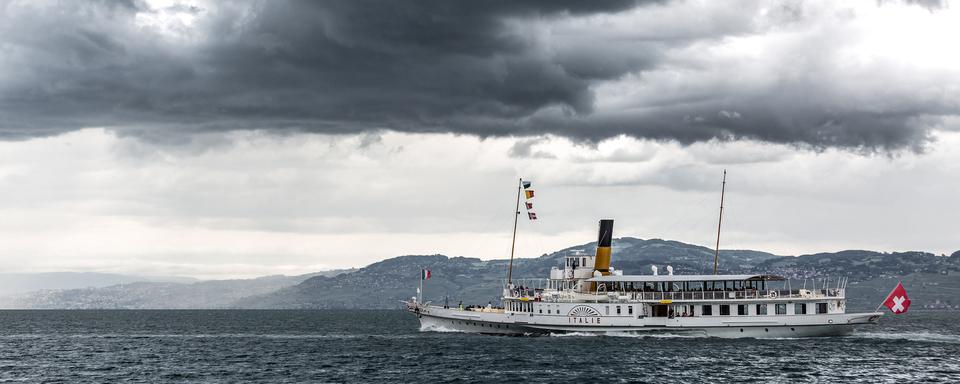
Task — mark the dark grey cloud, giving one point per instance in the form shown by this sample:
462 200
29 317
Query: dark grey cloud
428 66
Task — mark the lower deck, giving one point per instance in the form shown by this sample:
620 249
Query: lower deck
589 320
670 309
441 324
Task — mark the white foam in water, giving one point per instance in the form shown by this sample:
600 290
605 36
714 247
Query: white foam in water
658 335
630 334
438 328
909 336
574 334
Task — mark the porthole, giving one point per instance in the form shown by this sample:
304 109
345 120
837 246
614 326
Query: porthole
793 329
741 329
766 329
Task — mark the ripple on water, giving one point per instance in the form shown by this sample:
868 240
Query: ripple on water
387 346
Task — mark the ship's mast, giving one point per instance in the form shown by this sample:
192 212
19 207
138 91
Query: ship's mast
513 243
716 254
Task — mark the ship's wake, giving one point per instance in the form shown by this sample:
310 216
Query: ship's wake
909 336
642 334
439 328
575 334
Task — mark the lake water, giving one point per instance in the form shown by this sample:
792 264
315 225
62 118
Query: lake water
386 346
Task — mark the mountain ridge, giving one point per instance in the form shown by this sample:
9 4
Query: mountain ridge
474 281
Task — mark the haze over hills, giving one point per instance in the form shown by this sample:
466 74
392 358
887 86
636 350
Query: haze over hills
130 293
931 279
15 283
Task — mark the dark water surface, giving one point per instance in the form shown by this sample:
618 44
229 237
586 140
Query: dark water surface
386 346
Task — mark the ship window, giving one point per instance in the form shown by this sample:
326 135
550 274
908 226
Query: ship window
741 310
629 309
800 309
724 310
781 309
761 309
821 307
607 310
618 309
707 310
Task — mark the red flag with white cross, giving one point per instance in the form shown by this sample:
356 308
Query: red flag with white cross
897 300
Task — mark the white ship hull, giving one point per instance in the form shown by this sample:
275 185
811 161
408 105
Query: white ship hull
493 322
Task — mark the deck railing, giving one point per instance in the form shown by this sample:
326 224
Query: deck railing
699 295
732 295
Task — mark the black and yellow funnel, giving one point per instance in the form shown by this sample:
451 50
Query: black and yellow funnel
602 263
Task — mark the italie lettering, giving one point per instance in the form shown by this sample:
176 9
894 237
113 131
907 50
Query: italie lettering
583 320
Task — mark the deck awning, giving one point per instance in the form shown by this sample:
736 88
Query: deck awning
682 278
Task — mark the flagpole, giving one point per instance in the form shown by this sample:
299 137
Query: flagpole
420 291
513 243
716 255
888 295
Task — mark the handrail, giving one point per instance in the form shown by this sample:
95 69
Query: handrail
773 294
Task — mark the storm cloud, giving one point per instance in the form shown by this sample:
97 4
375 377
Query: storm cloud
687 71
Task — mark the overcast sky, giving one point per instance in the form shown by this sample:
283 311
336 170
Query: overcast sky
229 139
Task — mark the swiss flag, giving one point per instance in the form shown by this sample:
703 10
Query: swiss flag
897 300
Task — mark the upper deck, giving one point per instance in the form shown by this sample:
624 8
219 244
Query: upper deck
644 288
683 278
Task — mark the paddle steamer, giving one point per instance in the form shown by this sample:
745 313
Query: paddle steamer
587 295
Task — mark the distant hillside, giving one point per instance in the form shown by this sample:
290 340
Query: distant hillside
926 290
474 281
156 295
16 283
861 265
383 284
931 280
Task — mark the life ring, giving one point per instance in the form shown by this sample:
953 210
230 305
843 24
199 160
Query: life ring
772 294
